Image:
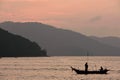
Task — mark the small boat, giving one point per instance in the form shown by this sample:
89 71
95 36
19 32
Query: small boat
104 71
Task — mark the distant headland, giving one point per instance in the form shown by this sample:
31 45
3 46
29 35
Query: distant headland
57 42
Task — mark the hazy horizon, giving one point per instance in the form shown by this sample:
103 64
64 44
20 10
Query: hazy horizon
89 17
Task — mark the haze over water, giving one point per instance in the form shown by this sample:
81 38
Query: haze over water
57 68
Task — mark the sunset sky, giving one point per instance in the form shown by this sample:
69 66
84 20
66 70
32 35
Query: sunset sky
90 17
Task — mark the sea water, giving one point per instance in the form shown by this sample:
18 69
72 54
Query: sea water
58 68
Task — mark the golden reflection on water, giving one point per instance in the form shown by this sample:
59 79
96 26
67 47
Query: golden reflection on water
57 68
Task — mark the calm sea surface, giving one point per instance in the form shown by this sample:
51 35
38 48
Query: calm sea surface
57 68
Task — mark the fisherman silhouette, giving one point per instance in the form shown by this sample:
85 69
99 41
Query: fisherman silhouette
86 67
101 68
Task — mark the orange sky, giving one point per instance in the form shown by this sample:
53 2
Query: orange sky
91 17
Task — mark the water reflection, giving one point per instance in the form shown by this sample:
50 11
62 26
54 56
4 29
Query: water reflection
56 68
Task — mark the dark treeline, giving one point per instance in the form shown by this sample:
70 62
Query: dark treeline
12 45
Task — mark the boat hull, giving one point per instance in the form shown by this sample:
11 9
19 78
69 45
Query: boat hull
90 72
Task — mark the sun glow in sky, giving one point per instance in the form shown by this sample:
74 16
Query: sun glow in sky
91 17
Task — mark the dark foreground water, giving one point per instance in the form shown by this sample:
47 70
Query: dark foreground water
57 68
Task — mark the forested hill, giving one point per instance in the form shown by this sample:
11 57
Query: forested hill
16 46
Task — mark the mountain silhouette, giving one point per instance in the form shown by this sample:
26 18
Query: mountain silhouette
60 42
16 46
112 41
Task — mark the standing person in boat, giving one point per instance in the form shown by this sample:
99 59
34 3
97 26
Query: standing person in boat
101 68
86 67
